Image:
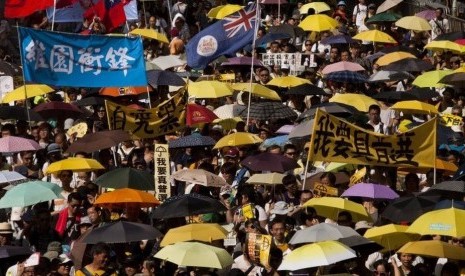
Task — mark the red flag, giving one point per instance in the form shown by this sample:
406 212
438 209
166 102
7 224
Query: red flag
197 114
23 8
65 3
110 12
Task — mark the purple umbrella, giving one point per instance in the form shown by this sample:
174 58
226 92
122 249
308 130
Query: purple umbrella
427 14
242 61
285 129
370 190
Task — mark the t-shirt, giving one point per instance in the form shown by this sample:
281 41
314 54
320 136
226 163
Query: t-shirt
438 27
360 12
93 273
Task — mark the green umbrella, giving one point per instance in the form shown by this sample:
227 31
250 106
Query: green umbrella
384 17
127 178
30 193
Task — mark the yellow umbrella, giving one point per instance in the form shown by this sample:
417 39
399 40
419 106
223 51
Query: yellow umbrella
319 7
460 70
289 81
359 101
209 89
415 107
257 89
431 78
330 207
237 139
27 91
434 248
414 23
318 23
228 123
444 45
446 222
150 33
448 168
391 236
203 232
222 11
375 36
266 179
75 164
393 57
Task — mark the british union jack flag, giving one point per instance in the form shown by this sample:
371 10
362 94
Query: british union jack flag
241 21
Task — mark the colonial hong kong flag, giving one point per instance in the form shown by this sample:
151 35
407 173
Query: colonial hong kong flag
110 12
23 8
225 37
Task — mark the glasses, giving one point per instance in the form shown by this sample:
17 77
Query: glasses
291 153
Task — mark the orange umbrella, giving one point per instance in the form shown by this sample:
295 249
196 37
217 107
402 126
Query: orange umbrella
124 91
448 168
127 196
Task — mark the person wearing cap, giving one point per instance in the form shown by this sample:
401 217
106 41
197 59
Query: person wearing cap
359 14
6 233
130 264
61 266
231 155
340 12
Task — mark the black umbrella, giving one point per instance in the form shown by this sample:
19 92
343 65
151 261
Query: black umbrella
19 113
453 36
361 244
305 89
193 140
338 39
269 162
336 109
9 69
99 140
408 208
90 101
269 111
400 48
287 29
272 37
455 79
449 189
122 232
424 93
8 251
187 205
394 96
409 64
127 178
162 77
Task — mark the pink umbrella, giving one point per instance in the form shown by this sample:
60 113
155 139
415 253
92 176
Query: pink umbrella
342 66
17 144
427 14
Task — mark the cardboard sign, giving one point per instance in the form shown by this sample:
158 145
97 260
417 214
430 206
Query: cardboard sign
321 190
258 248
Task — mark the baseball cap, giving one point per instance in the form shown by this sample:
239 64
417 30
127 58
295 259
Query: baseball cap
232 152
341 3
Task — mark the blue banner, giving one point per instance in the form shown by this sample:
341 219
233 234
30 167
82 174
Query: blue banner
62 59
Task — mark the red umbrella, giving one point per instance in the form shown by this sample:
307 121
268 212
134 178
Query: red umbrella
460 41
59 110
124 91
197 114
17 144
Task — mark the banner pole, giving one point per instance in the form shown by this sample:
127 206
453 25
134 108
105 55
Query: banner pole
310 148
53 15
256 27
435 147
26 101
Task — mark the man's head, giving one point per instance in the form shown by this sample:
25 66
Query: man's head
305 196
65 178
264 75
290 182
439 13
8 130
94 214
100 253
334 53
291 151
374 112
274 47
6 233
74 203
278 229
344 219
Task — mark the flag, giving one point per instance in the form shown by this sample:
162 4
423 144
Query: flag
224 37
110 12
23 8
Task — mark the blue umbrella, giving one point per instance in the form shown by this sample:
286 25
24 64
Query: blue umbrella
278 140
338 39
193 140
346 76
271 37
447 203
160 77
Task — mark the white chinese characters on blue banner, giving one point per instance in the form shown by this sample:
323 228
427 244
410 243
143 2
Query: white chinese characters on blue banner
62 59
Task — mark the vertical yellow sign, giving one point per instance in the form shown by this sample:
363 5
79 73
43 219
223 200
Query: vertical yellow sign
162 172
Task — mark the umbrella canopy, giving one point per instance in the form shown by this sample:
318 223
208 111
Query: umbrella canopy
200 177
384 17
444 45
413 65
271 37
393 57
452 36
415 107
10 176
287 29
58 110
382 76
375 36
127 178
280 140
318 23
26 91
414 23
388 4
257 90
338 39
318 7
445 222
303 129
238 139
21 195
346 76
166 62
337 109
342 66
228 123
266 179
75 164
408 208
394 96
209 89
424 93
456 79
203 232
285 129
195 254
435 249
19 113
288 81
89 101
269 111
222 11
198 114
330 207
242 61
124 91
370 190
127 196
17 144
162 77
361 244
229 111
187 205
431 78
306 89
273 2
453 187
7 251
427 14
449 203
316 254
391 236
359 101
193 140
122 232
322 232
99 140
151 34
269 162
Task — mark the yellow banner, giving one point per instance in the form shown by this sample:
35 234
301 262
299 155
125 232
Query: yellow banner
162 172
337 140
321 190
451 120
258 248
167 117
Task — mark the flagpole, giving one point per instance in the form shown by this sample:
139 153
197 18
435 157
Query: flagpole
169 12
256 27
53 15
24 78
145 14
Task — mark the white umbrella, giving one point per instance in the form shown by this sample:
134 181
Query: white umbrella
229 111
390 76
165 62
388 4
266 178
322 232
303 129
201 177
8 176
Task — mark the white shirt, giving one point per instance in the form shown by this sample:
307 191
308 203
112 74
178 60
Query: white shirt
360 13
439 27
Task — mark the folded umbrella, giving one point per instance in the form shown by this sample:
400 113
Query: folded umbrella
127 178
122 232
162 77
269 162
92 142
187 205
